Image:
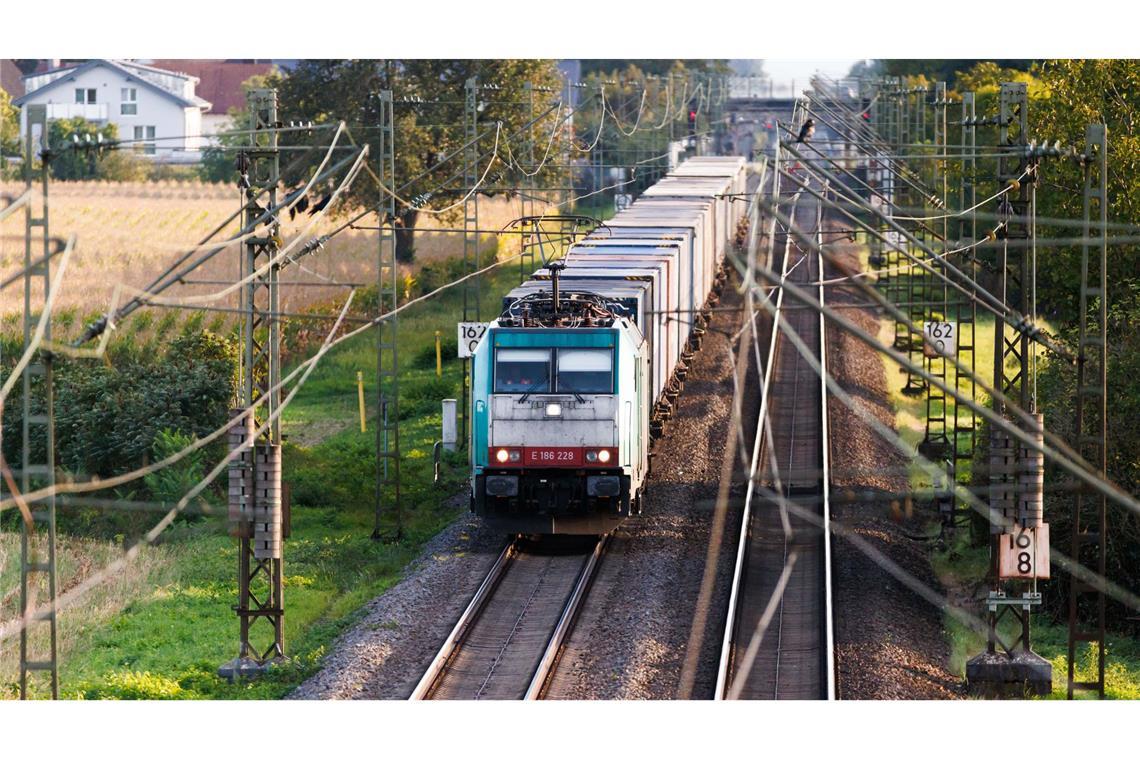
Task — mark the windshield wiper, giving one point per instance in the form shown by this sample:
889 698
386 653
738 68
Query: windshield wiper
525 396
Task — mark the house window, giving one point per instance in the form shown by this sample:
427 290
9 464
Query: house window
85 95
141 134
130 102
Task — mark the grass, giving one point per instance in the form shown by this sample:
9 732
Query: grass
165 632
1122 664
161 628
910 410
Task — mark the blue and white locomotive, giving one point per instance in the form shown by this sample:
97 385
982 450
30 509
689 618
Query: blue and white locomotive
573 381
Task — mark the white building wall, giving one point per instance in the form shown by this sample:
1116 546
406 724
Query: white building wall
213 123
169 119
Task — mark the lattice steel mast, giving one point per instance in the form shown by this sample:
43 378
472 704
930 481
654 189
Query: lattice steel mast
37 468
259 509
1089 535
387 360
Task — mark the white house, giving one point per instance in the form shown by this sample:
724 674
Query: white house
153 108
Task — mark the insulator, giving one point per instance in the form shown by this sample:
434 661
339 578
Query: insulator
240 473
1003 470
1031 476
267 513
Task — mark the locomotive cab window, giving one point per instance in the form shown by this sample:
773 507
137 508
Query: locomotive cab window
522 370
585 370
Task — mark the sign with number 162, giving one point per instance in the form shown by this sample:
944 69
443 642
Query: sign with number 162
943 336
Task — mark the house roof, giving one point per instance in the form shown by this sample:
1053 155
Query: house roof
11 78
219 82
120 68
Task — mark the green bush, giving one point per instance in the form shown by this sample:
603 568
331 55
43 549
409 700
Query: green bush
171 483
449 350
108 417
339 474
431 389
134 685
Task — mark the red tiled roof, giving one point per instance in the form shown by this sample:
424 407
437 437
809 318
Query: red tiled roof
11 78
219 81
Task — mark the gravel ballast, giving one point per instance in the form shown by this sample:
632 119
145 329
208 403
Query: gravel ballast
890 643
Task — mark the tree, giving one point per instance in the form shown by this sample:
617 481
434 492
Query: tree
427 129
748 67
637 128
79 163
9 126
941 70
654 66
1066 96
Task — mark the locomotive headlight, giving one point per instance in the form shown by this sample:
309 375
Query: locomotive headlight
502 455
515 456
554 410
591 456
603 456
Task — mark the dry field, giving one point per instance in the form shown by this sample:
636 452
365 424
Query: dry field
129 232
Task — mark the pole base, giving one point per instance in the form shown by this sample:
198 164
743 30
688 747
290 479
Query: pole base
246 667
1001 676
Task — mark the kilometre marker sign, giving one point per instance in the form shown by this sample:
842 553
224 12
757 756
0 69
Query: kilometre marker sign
470 333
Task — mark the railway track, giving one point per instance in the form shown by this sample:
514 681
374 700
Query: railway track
778 642
508 640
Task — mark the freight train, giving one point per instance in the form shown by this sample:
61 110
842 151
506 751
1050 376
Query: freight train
574 380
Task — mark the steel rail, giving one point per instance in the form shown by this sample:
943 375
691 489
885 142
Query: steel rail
565 623
454 643
455 639
728 641
825 479
729 648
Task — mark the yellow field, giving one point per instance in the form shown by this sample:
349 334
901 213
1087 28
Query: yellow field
129 232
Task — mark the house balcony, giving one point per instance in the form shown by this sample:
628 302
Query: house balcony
90 112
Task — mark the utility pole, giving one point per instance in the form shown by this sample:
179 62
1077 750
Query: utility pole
966 313
936 443
915 278
37 560
1090 529
471 310
260 554
1015 668
526 246
387 300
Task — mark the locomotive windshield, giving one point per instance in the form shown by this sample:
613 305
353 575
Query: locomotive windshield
528 370
522 370
585 370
